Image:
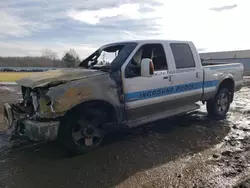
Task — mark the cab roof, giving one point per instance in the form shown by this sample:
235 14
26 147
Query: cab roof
150 41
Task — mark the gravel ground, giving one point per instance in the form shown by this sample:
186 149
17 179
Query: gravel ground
186 151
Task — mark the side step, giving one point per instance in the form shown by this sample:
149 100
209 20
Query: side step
163 115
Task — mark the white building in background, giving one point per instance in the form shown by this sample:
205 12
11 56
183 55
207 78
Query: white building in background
240 56
226 54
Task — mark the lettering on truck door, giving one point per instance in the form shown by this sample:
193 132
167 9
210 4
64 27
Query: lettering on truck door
145 96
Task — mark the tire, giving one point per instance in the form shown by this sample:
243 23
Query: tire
73 126
218 107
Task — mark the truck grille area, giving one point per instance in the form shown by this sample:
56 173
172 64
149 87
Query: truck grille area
31 100
29 105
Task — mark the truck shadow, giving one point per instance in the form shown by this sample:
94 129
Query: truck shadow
123 154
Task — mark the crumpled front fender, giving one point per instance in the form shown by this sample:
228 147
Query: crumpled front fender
67 96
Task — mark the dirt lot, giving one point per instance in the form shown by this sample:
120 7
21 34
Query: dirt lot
187 151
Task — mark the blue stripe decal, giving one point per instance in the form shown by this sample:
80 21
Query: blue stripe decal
158 92
223 67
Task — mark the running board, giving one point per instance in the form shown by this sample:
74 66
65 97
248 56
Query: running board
163 115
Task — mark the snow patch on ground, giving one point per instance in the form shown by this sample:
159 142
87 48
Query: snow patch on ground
7 83
7 88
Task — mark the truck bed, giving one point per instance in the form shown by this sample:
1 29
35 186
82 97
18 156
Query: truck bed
215 74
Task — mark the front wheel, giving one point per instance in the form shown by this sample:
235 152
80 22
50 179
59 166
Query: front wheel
218 107
83 133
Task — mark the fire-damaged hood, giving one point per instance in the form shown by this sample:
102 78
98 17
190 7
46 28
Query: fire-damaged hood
58 76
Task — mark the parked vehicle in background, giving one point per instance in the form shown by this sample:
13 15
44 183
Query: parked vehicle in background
139 82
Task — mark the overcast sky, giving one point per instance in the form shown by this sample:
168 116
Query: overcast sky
28 26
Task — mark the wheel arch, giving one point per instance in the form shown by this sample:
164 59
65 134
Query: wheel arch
228 83
111 111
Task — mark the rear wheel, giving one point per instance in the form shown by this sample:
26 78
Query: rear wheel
84 133
218 107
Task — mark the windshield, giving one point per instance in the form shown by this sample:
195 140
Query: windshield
109 57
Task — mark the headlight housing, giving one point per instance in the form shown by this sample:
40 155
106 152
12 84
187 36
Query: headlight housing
45 105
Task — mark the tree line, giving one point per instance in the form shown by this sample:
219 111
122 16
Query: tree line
48 58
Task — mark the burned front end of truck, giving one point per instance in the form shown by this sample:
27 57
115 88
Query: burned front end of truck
33 117
46 97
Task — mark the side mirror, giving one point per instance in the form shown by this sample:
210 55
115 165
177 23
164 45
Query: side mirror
147 67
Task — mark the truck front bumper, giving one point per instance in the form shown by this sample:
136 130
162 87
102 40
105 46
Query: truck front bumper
20 125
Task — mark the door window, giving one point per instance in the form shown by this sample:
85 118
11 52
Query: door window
183 55
155 52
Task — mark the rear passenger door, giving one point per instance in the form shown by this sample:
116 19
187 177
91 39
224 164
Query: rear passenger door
187 74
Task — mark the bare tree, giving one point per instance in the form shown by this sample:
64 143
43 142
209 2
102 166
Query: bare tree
49 54
29 62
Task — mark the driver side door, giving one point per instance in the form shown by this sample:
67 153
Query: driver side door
145 96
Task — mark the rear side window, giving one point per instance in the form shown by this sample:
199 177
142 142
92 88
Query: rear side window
182 55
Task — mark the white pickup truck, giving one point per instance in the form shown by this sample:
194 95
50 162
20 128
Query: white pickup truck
139 82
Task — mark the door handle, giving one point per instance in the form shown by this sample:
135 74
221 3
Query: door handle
197 74
170 78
